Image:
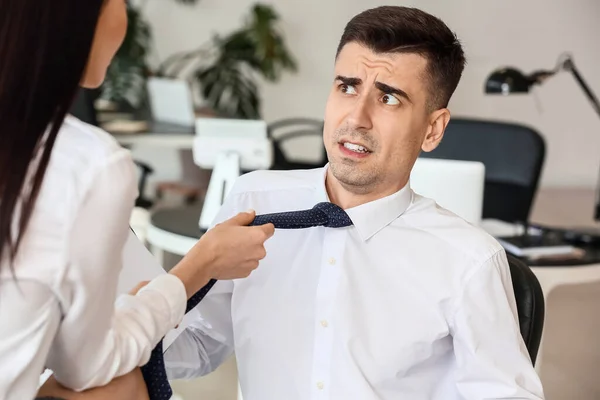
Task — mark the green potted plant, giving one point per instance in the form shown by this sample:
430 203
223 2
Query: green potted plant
226 68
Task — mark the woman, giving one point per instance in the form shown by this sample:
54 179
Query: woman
66 193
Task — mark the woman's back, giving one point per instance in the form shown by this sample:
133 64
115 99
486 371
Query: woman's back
87 193
80 153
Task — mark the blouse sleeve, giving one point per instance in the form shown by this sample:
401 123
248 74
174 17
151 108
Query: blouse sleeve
98 341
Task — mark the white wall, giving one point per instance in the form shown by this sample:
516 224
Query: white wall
528 34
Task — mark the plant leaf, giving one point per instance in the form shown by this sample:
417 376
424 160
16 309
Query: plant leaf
228 90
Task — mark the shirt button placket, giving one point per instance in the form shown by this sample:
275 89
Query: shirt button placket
332 257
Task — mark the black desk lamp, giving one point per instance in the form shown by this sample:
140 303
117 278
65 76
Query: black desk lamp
510 80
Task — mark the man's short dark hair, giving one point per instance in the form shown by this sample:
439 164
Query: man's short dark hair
394 29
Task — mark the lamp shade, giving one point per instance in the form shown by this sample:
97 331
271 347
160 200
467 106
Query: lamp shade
508 80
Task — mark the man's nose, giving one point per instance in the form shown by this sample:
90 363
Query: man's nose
360 116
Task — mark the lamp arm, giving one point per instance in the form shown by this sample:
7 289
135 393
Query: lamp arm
570 66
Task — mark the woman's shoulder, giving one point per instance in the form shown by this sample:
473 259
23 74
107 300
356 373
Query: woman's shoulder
89 142
80 152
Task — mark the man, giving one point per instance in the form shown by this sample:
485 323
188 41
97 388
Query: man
410 302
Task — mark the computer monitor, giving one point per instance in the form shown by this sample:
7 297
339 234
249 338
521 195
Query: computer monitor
455 185
227 146
171 101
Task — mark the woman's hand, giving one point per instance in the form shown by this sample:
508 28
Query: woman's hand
230 250
235 248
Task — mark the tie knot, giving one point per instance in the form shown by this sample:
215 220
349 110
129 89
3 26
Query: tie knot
336 216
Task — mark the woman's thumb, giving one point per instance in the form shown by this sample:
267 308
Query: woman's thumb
243 218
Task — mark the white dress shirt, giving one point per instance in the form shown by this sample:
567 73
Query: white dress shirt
60 311
411 302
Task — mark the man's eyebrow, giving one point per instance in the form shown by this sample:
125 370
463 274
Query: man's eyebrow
387 89
346 80
384 88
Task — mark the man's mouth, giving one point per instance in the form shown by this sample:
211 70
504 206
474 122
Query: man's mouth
355 147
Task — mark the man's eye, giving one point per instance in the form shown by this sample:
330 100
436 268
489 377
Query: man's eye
390 100
348 89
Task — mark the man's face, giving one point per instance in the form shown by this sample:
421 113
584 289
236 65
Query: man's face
377 119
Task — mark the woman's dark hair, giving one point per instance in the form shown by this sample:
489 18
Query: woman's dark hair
44 49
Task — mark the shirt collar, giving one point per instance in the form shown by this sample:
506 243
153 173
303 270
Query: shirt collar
371 217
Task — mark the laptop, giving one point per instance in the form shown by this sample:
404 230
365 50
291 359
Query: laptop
455 185
171 102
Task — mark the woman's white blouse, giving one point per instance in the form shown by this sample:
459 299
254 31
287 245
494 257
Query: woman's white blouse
58 309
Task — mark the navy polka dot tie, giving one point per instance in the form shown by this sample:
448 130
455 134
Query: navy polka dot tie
323 214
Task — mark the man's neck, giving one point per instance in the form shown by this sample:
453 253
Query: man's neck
348 197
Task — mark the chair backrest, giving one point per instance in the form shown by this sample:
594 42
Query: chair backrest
530 304
454 185
513 156
287 130
144 171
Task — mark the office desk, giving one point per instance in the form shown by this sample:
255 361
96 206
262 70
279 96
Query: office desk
565 207
561 207
174 231
571 344
160 135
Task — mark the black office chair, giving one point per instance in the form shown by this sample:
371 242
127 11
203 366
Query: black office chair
530 304
288 129
145 170
513 156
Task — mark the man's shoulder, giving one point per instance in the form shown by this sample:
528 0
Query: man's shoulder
452 231
272 180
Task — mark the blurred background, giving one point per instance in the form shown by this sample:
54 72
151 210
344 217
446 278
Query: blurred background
529 35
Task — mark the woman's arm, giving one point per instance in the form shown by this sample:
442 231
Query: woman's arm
97 341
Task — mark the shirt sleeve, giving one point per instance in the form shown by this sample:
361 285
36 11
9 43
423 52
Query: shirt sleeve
30 317
98 341
492 360
208 340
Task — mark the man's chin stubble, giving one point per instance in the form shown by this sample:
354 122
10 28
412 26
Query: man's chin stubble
353 182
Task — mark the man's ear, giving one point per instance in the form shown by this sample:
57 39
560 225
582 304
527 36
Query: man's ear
438 120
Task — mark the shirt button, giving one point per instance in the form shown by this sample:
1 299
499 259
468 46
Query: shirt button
332 261
320 385
324 323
